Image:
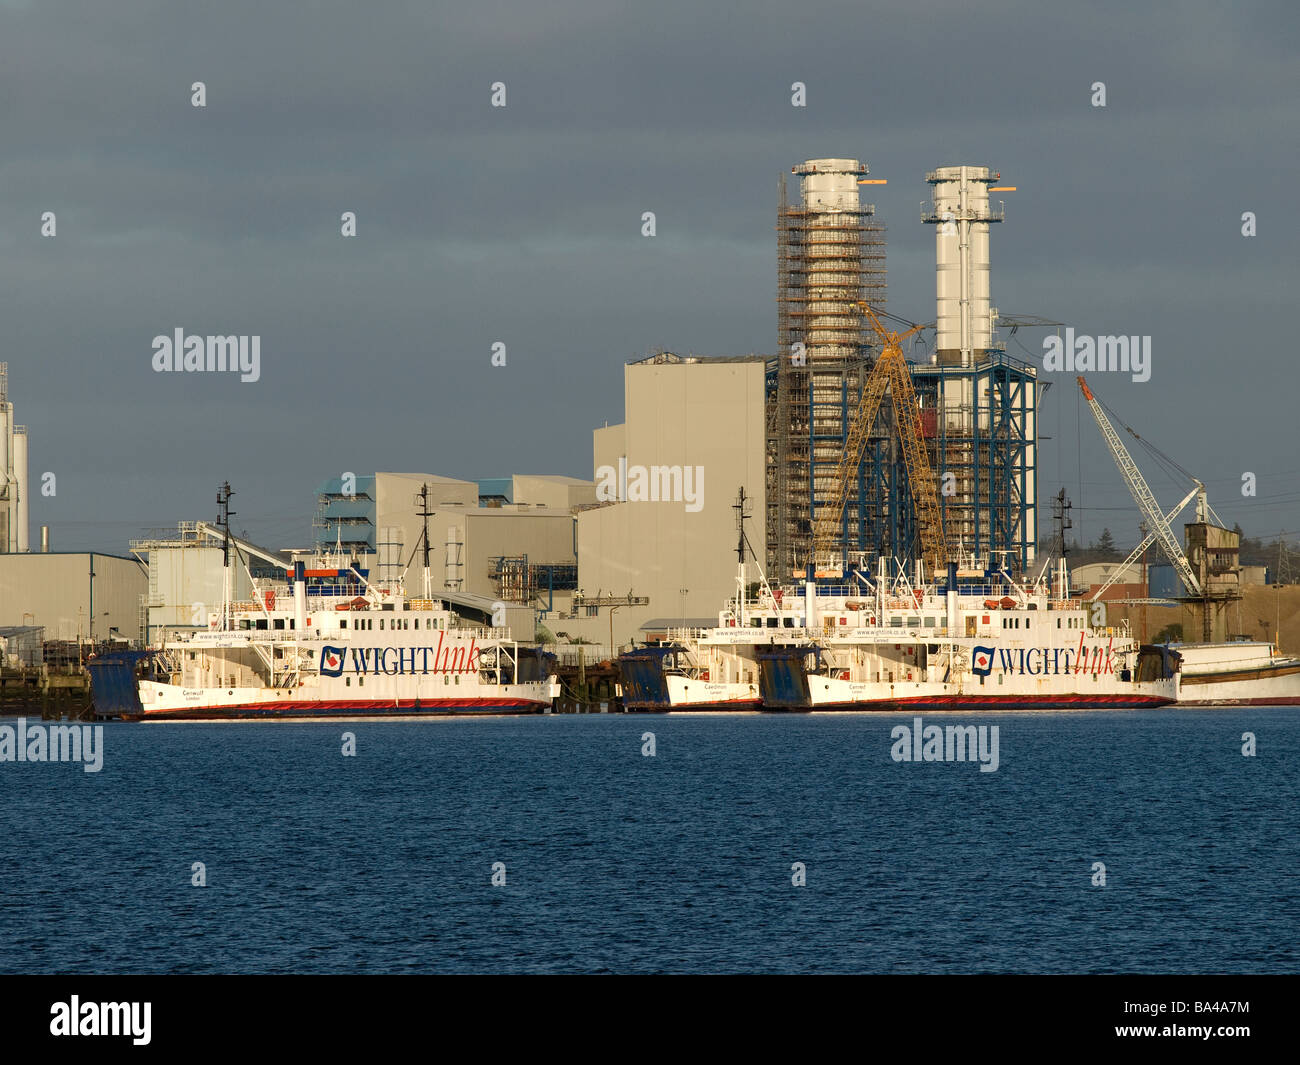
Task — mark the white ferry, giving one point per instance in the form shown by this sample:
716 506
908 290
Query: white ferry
976 640
326 642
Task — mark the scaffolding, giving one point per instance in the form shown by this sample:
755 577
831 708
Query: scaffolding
830 256
346 519
521 581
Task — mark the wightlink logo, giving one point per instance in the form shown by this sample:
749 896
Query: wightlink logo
214 354
1086 354
453 658
651 484
956 743
1044 661
53 743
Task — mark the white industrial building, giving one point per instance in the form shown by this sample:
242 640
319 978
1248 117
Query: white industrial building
694 433
13 474
185 579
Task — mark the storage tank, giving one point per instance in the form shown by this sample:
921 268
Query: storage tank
20 485
8 489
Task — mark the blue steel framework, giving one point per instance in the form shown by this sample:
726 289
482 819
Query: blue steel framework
994 450
996 455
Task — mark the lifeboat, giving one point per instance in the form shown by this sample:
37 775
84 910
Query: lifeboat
359 603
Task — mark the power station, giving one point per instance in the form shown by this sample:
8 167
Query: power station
979 405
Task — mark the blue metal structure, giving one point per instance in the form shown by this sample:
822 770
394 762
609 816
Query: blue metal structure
346 517
993 449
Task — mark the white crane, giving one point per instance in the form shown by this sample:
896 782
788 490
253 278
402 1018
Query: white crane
1149 539
1157 523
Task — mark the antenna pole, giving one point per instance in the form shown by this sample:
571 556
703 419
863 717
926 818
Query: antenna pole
424 536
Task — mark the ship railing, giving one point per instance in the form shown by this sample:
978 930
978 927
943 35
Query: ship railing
587 655
681 635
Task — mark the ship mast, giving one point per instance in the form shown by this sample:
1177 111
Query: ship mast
739 508
224 514
424 536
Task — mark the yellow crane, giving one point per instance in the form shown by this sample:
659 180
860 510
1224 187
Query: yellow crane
889 373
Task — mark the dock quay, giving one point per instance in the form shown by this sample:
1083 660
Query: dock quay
587 683
55 692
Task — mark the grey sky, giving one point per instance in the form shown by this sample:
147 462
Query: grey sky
522 225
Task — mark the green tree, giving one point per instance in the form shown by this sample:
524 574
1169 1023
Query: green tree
1105 547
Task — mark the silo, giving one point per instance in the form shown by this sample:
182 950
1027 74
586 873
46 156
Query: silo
20 483
8 489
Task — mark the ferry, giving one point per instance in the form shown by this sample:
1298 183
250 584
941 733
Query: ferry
976 640
327 642
1237 673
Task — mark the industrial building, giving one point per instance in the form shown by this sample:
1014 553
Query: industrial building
508 539
73 595
13 474
693 436
21 646
535 490
978 404
186 579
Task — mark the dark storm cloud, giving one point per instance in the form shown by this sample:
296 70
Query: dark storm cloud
522 224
